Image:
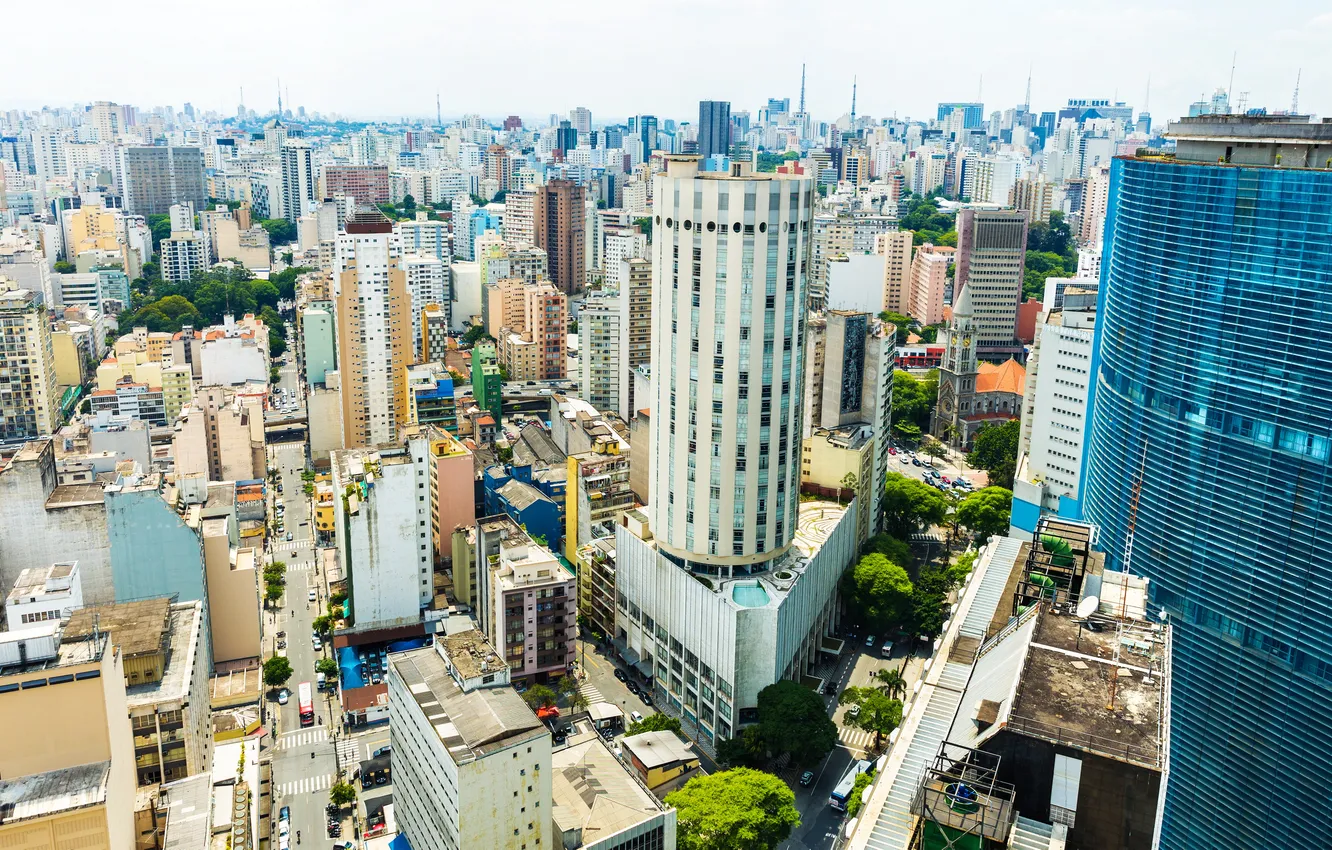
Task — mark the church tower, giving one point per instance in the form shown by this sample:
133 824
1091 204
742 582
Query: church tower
957 375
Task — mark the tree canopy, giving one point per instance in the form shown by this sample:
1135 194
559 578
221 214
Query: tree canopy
986 511
890 547
656 722
280 231
909 503
793 719
744 750
902 323
540 696
913 402
928 223
877 592
739 809
277 670
341 794
878 712
994 450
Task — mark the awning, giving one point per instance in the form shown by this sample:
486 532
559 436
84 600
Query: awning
627 652
644 667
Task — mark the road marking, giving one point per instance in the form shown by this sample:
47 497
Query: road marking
301 737
306 785
590 691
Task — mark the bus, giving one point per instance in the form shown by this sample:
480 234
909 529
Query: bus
306 704
842 792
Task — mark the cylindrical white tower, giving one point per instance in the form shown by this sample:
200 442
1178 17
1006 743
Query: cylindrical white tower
728 296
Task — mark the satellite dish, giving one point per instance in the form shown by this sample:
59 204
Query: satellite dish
1088 606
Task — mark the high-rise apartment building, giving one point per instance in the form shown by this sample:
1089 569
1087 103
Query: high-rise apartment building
895 247
29 402
368 184
714 128
558 226
427 283
599 349
298 180
424 236
374 333
581 119
1094 203
151 179
537 351
991 252
729 304
520 218
635 326
1208 448
498 166
929 282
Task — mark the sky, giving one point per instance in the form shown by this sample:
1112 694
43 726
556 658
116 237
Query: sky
373 61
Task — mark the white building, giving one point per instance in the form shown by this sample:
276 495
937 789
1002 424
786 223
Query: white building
471 765
382 518
424 236
234 353
44 593
466 292
855 282
298 180
1048 478
183 254
427 283
600 357
728 349
519 219
635 325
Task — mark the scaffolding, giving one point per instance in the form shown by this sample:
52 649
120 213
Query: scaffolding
961 804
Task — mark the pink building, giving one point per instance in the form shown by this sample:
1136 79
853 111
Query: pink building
929 279
452 483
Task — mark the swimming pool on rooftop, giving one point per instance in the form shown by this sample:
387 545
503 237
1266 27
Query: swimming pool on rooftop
749 595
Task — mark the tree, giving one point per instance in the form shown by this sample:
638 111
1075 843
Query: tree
62 267
878 712
540 696
273 591
890 681
890 547
995 451
744 750
160 226
645 226
578 701
913 402
277 670
793 720
342 794
933 448
878 592
567 685
854 802
986 511
850 481
908 503
280 231
656 722
475 334
322 624
738 809
408 202
902 324
327 666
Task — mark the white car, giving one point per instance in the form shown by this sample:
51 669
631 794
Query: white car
318 644
635 717
283 696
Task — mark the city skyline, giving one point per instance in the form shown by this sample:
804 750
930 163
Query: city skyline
1186 53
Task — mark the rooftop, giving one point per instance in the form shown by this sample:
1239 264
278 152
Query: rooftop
1006 377
471 725
471 654
657 749
36 582
74 495
55 791
178 674
138 628
592 792
188 804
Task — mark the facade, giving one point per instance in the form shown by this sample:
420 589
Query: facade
471 761
452 483
318 338
558 224
929 281
183 255
520 218
131 400
596 494
298 180
991 252
1227 473
29 402
44 593
151 179
427 283
374 331
897 270
487 384
537 351
714 128
973 394
732 426
379 493
368 184
599 352
154 550
635 326
234 595
855 282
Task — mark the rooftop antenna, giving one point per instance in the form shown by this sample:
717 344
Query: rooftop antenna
1231 86
439 121
279 87
853 101
1026 104
980 84
1146 98
288 94
1295 98
802 88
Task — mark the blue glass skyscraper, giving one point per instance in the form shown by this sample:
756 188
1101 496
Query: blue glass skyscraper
1212 398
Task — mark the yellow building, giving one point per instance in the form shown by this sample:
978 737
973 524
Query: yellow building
323 505
67 778
177 390
68 359
839 460
662 761
96 229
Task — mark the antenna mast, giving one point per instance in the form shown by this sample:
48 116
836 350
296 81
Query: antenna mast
1229 88
802 88
1027 103
1295 98
439 121
853 102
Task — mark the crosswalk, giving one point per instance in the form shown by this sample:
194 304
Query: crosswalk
350 751
300 568
306 785
292 545
855 739
300 738
590 693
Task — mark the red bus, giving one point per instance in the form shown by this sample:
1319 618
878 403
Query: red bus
306 704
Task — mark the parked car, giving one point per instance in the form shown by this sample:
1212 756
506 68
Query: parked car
311 595
915 461
853 712
384 750
289 537
619 674
892 451
633 687
904 459
635 717
869 641
318 644
807 779
608 733
284 696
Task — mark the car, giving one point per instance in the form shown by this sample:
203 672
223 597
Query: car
635 717
646 697
290 537
869 641
374 679
853 712
284 828
915 461
382 751
943 479
892 451
284 696
608 733
284 813
559 735
616 751
904 459
807 779
312 595
633 688
619 674
318 644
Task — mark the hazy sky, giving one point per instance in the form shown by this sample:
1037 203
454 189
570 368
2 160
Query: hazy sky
386 59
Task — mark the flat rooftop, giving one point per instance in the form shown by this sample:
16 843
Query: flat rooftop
655 749
44 794
178 675
74 495
471 654
138 628
36 582
471 725
592 792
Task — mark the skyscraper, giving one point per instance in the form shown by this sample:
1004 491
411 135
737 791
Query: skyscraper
991 251
714 128
298 182
29 405
374 330
558 217
1209 450
647 134
728 371
151 179
566 138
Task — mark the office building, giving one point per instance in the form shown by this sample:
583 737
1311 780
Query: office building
368 185
714 128
29 402
298 180
1051 447
991 252
558 228
598 805
388 571
374 331
151 179
131 401
973 114
471 762
647 135
1221 476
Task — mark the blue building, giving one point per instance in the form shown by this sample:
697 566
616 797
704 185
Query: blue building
531 499
1211 411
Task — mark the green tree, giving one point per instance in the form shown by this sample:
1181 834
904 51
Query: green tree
738 809
986 511
273 591
62 267
877 592
909 503
160 226
408 202
280 231
854 802
645 226
794 720
322 624
890 681
913 402
277 670
327 666
540 696
475 334
878 712
902 324
890 547
933 448
744 750
994 450
342 794
656 722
